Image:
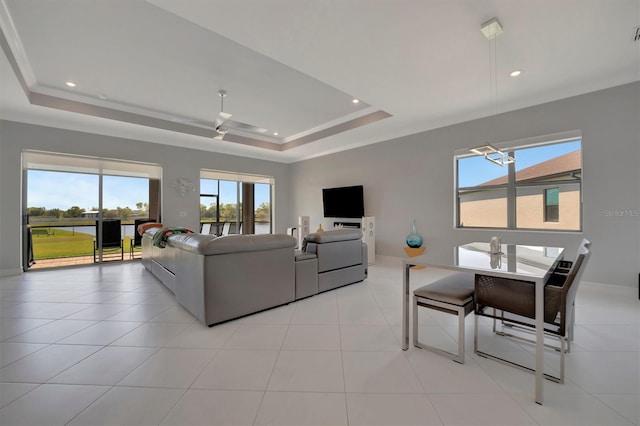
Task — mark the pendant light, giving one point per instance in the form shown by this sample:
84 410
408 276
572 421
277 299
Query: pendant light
492 29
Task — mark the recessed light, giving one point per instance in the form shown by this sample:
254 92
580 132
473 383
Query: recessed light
70 84
275 133
102 96
355 101
515 73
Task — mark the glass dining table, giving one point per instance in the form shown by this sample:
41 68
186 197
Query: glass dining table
513 261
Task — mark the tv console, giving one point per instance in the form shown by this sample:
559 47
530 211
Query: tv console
346 225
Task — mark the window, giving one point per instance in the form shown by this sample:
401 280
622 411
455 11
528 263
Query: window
551 202
233 203
542 189
262 197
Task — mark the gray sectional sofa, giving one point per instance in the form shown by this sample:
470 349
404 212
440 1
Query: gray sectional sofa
221 278
341 257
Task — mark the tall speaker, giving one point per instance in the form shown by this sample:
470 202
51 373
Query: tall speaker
369 237
303 229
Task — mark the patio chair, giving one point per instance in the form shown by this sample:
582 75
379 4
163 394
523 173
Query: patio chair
235 227
137 238
513 302
205 228
216 228
112 241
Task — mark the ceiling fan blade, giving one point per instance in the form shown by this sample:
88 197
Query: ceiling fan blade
222 131
202 123
222 117
245 126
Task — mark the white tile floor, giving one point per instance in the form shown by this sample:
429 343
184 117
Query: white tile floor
109 345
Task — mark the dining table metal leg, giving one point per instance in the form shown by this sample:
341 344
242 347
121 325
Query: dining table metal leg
539 341
405 307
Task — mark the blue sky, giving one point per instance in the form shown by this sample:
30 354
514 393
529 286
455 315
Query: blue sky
64 190
476 170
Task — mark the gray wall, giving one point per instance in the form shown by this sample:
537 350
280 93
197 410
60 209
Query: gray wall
412 177
176 162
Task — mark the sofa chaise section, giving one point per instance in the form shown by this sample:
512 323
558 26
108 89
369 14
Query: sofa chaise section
218 279
342 257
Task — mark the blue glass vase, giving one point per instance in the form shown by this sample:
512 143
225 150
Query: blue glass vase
414 240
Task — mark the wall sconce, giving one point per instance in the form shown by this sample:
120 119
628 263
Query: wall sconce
493 154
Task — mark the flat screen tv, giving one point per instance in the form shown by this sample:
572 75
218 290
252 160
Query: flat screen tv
345 202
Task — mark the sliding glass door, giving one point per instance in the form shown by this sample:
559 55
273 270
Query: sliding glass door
84 210
232 203
61 232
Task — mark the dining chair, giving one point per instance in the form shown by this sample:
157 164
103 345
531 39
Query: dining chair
452 294
513 302
565 265
559 276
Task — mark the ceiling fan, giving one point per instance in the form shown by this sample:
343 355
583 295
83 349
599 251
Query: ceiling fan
223 123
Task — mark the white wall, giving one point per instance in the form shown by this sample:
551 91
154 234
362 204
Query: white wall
412 177
176 162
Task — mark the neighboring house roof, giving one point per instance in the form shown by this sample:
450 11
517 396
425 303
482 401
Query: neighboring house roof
564 164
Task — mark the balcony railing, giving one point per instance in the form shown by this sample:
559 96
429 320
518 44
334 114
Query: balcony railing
71 243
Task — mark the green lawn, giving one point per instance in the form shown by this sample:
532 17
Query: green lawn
66 244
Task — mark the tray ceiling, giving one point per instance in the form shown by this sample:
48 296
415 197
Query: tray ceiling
151 70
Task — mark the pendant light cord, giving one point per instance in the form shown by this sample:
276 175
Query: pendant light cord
493 76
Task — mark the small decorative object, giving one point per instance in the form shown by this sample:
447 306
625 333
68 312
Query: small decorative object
495 245
414 240
496 261
320 228
183 185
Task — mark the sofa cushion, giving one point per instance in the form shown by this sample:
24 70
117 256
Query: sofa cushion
334 235
208 244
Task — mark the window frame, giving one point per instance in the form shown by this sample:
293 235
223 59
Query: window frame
511 186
